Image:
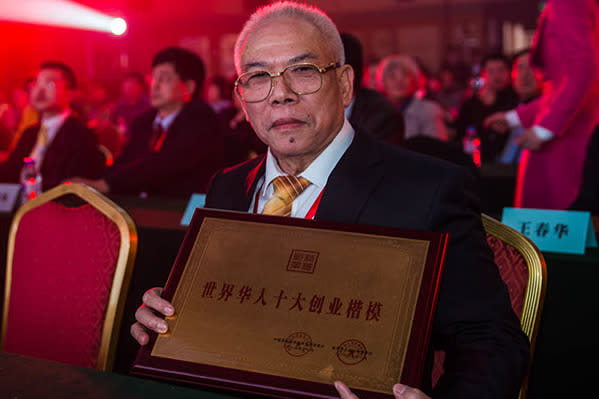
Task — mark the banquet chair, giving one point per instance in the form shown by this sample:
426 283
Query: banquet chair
70 258
522 268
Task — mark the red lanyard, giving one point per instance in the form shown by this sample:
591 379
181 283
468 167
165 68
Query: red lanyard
311 213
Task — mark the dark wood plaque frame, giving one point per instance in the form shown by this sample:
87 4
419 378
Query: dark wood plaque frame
235 380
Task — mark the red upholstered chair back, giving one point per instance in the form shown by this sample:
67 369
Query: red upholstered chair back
67 276
522 268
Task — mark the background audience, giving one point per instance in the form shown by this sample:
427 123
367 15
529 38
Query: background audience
61 145
395 100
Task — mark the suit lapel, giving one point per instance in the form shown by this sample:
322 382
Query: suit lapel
352 181
249 187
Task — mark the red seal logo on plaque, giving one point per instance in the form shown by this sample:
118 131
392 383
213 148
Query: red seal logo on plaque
351 352
298 344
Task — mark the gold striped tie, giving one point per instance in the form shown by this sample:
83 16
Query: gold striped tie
287 188
42 136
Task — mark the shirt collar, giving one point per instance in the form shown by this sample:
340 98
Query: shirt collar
167 121
56 121
348 110
319 170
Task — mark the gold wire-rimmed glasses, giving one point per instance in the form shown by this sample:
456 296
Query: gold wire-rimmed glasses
303 78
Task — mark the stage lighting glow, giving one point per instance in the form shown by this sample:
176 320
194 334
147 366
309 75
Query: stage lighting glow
118 26
62 13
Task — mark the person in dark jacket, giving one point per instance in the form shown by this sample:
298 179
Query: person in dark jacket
176 146
61 145
369 111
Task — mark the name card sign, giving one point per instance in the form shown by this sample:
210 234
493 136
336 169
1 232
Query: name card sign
8 197
553 231
196 201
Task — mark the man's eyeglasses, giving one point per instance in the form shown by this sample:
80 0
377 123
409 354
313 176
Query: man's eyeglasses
303 78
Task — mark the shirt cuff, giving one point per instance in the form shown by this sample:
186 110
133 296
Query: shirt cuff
512 119
542 133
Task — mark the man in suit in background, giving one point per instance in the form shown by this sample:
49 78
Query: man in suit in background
344 175
61 145
175 147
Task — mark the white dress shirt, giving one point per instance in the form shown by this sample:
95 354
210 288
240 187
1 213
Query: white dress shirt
317 173
52 125
165 122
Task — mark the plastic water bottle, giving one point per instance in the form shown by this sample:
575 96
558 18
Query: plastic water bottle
472 145
31 180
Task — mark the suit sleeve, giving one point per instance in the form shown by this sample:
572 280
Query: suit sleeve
487 354
86 159
527 113
578 55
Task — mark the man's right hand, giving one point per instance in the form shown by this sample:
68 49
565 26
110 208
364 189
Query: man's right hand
147 315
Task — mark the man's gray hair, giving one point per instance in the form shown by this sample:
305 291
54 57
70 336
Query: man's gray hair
290 9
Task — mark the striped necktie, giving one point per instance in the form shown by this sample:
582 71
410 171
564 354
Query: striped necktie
158 136
287 188
42 136
38 150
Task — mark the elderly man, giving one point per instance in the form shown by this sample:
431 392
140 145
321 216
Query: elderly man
294 86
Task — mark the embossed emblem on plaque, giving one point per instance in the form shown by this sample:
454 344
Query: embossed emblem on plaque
302 261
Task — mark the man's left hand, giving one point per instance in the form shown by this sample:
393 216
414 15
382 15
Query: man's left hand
529 139
400 391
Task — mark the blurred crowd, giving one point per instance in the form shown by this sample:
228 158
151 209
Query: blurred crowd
166 132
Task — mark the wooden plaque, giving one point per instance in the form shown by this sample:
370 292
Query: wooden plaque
283 307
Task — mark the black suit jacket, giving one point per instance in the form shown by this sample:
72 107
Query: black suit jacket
73 152
373 114
588 195
191 153
378 184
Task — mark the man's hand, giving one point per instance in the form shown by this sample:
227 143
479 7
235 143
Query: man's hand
399 392
497 122
529 139
147 318
99 185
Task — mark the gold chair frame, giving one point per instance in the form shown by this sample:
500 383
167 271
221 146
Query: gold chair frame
123 270
537 280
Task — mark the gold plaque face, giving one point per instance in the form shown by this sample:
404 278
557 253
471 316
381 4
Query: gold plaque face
309 304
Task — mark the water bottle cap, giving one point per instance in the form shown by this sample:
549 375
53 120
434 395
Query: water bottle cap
28 161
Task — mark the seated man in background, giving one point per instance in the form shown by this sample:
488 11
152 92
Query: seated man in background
175 147
360 180
496 94
61 145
